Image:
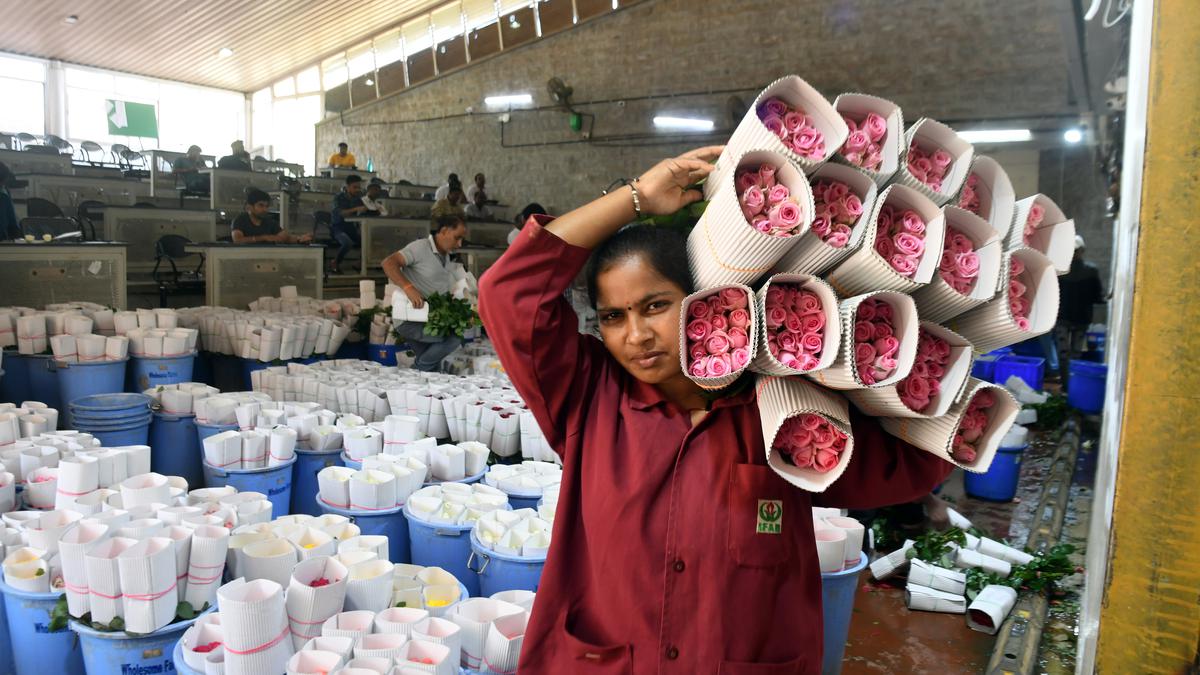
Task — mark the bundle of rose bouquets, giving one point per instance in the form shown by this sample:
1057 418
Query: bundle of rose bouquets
821 335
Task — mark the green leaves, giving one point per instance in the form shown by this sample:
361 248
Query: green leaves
59 615
683 219
401 604
1052 413
932 546
449 316
185 611
362 325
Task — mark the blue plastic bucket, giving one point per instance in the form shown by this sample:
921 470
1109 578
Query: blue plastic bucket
202 369
444 546
384 355
6 652
523 500
499 572
43 381
181 666
14 386
837 605
37 650
388 522
304 478
1085 388
985 365
175 447
248 367
352 350
1095 341
352 463
79 380
111 405
1032 369
999 482
203 431
114 437
120 653
357 466
146 372
273 481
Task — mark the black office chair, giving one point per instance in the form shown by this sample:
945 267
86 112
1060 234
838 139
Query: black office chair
88 214
38 228
36 207
170 247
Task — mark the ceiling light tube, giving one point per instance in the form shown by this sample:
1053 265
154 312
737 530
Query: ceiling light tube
996 135
683 123
508 100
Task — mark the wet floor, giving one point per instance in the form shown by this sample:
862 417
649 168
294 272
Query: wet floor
885 637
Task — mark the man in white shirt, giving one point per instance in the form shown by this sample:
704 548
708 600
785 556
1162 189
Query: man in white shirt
477 188
477 209
444 190
373 200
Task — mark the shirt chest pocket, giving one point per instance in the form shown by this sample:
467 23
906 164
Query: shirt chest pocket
762 515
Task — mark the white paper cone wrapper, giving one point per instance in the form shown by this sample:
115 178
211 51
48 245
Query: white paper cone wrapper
367 665
77 477
45 531
992 326
475 616
959 520
997 199
723 247
936 435
200 634
448 463
148 583
206 564
27 570
224 450
476 454
967 559
116 347
949 581
312 543
8 492
342 646
888 565
843 374
380 645
369 586
938 301
362 443
1054 238
767 364
989 609
927 599
309 608
254 449
782 398
254 619
831 547
73 550
714 383
933 135
811 255
350 624
182 537
31 334
313 662
64 348
996 549
272 559
502 647
865 270
41 488
150 488
751 134
886 402
400 620
856 106
333 484
854 538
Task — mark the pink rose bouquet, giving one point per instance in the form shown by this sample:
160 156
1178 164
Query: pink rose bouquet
1017 288
875 341
969 198
793 127
900 239
970 429
959 266
929 167
837 209
1037 213
864 146
768 206
795 326
718 333
925 382
809 441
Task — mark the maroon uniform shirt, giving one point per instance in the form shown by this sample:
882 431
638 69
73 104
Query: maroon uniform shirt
656 565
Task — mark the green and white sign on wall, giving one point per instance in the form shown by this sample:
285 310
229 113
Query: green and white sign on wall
131 119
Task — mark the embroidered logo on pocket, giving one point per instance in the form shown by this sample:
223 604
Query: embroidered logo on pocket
770 516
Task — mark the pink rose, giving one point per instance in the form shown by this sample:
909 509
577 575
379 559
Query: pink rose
864 331
883 311
886 346
909 244
966 265
807 361
866 310
810 422
774 124
719 322
747 180
917 387
864 353
873 160
812 323
920 369
850 124
823 437
697 351
738 337
793 122
1022 323
808 303
839 237
698 329
775 317
983 399
717 343
887 218
774 106
1036 214
785 216
912 222
789 342
865 374
882 329
714 303
915 404
699 367
1018 267
857 142
717 366
935 369
904 265
972 434
812 343
766 176
734 298
788 360
885 365
778 194
1016 289
805 141
949 262
826 460
837 191
739 318
699 310
885 248
800 436
964 453
761 223
875 126
804 457
941 159
821 226
752 203
793 323
961 243
852 206
739 358
919 167
774 296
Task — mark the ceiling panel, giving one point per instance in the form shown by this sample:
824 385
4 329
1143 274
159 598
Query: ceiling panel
179 39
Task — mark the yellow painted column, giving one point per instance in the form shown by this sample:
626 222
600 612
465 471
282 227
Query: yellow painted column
1150 619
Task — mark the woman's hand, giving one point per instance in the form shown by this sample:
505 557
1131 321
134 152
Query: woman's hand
663 189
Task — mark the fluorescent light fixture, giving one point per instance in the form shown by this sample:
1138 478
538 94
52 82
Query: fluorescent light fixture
996 135
370 82
508 100
1072 135
224 52
683 123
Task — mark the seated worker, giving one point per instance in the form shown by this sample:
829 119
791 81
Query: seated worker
10 227
452 205
373 200
477 209
444 188
478 186
187 170
346 204
532 209
343 158
421 269
237 159
256 226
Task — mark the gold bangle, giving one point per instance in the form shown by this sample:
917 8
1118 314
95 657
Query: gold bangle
637 203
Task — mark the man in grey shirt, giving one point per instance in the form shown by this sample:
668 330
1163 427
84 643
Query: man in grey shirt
421 269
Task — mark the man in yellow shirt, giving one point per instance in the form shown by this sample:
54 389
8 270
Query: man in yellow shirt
343 158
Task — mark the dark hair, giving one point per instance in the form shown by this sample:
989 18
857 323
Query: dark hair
446 222
531 209
452 178
255 196
343 145
662 248
479 175
375 185
353 178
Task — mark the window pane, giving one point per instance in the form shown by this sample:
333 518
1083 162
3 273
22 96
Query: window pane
479 13
22 69
25 110
89 79
261 99
388 49
333 72
285 87
416 35
308 81
447 22
361 60
87 114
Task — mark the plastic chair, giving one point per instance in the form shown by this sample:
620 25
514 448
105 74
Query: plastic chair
60 144
36 207
26 139
8 141
38 228
88 147
170 247
118 150
88 214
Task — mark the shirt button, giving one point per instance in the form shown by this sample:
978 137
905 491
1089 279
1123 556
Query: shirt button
679 566
672 653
